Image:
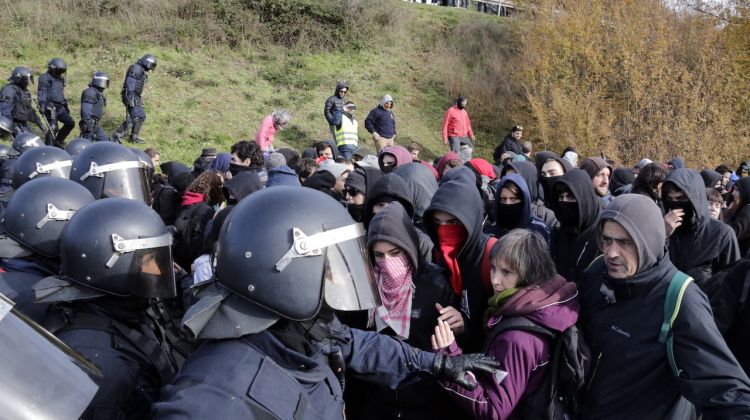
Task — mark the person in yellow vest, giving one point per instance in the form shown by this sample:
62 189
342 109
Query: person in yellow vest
347 137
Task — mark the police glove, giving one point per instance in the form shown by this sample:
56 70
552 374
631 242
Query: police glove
457 368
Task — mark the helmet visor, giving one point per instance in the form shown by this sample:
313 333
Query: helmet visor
29 353
127 183
348 280
152 273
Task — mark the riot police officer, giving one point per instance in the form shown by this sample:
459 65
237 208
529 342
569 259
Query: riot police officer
132 89
111 170
115 256
15 101
76 146
41 162
52 102
287 258
93 103
6 127
21 143
32 225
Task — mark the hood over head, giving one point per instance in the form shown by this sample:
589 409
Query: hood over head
529 173
440 167
400 153
690 182
589 204
593 165
620 178
172 169
677 162
386 98
743 185
421 182
389 187
482 167
394 225
546 155
339 86
244 184
710 178
363 179
221 163
643 221
526 215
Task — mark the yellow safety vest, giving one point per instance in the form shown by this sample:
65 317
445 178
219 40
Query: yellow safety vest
347 134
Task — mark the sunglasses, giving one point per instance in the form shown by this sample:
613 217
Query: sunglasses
352 191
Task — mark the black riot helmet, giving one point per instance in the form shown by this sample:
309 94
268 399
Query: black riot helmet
288 250
5 152
6 127
41 162
22 76
120 247
39 210
111 170
148 62
57 67
100 79
76 146
26 141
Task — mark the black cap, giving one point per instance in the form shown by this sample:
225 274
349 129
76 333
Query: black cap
210 151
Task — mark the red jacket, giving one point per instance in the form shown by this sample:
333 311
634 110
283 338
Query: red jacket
456 124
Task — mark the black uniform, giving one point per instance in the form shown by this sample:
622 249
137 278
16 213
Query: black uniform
15 103
132 89
93 103
52 102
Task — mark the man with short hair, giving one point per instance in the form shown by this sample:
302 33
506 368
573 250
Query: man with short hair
414 148
457 130
247 156
511 143
622 298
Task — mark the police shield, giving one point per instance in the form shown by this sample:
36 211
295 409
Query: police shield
42 378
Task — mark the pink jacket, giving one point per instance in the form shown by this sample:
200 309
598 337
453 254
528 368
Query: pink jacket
266 133
456 124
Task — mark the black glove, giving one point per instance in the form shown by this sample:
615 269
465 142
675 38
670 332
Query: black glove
455 368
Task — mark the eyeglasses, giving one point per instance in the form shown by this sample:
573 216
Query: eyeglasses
343 91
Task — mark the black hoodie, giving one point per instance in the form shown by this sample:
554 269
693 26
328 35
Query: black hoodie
431 286
530 174
740 221
459 197
709 245
422 183
391 187
574 245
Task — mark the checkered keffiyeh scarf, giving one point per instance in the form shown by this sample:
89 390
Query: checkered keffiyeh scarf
393 276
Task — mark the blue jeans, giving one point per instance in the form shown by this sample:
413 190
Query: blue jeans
347 150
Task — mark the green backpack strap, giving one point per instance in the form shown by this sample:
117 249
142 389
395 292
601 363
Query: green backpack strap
677 286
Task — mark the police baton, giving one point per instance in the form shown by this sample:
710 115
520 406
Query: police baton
49 137
44 116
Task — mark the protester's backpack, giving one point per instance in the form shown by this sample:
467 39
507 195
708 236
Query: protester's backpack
558 396
189 235
675 292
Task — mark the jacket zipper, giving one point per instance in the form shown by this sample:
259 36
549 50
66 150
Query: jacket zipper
593 373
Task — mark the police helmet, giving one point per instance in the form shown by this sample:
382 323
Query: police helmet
42 162
39 210
76 146
148 62
289 250
5 152
6 126
22 76
57 67
26 141
100 79
120 247
109 169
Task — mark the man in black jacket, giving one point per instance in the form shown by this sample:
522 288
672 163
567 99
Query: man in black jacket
334 107
52 102
739 212
698 245
622 308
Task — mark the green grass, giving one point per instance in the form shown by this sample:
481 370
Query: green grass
212 95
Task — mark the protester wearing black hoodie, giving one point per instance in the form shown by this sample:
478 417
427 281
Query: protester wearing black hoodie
334 106
620 178
573 244
740 214
430 286
390 188
622 309
422 184
460 246
700 246
357 188
530 174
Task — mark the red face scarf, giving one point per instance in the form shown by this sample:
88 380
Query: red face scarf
451 239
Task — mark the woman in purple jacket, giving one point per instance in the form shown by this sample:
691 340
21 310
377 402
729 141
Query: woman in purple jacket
525 284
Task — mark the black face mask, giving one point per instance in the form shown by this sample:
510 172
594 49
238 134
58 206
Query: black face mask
356 211
237 169
388 169
688 219
547 186
460 106
509 215
567 213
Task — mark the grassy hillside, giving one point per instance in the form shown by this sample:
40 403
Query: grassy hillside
225 64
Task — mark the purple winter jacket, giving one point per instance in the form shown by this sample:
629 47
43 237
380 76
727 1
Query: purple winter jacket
522 354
